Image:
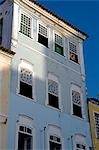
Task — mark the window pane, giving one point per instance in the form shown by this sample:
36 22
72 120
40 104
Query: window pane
24 142
58 40
53 100
43 40
25 26
58 49
26 76
76 97
77 110
55 146
74 57
42 30
53 87
25 89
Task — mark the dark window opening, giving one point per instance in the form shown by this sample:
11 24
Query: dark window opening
77 111
25 89
55 146
24 141
59 49
1 28
43 40
74 57
80 146
53 100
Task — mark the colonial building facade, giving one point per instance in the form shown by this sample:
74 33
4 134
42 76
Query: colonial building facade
47 108
93 107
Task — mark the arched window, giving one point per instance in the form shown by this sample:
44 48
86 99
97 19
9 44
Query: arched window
76 98
25 79
80 142
25 133
53 91
55 138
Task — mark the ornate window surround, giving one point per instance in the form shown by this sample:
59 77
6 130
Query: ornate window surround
53 77
27 65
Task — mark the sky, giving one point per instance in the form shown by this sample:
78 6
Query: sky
85 16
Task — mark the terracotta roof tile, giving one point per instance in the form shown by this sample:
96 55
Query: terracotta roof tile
8 51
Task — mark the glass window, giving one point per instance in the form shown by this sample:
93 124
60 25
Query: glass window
43 35
53 99
59 44
55 143
80 147
73 52
26 82
76 99
24 138
25 25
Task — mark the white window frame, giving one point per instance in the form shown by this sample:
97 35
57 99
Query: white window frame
79 139
26 121
95 123
54 78
53 130
77 46
76 88
63 40
27 65
48 33
31 23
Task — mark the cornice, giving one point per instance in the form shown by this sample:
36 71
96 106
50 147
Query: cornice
54 18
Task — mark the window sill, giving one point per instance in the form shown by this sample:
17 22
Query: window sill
26 98
73 62
25 35
42 45
54 108
77 117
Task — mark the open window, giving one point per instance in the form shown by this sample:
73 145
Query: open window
59 44
53 93
54 138
55 143
76 99
73 54
25 80
80 142
24 138
25 133
43 35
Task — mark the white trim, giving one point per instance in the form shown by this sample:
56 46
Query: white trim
63 41
76 88
48 31
79 139
77 45
31 22
27 122
50 58
54 131
29 66
53 77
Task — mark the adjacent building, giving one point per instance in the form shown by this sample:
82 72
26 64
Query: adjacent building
93 107
46 104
